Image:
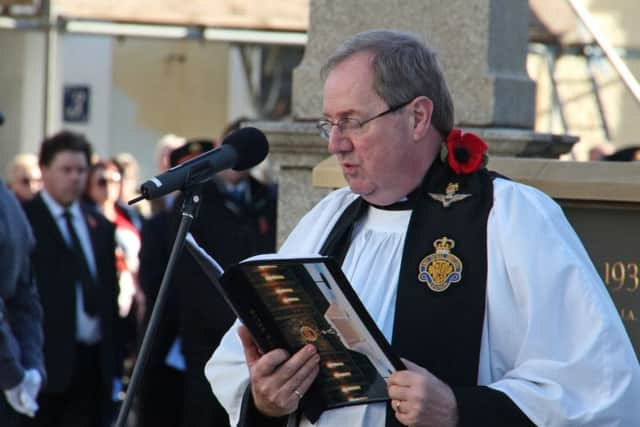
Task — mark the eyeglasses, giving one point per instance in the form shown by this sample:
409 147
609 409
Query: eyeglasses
28 181
102 181
350 125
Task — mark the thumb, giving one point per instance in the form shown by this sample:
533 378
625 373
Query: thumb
412 367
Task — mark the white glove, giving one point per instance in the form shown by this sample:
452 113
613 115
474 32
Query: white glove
116 389
22 397
33 381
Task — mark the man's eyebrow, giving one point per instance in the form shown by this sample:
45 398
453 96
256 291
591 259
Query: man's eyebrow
342 114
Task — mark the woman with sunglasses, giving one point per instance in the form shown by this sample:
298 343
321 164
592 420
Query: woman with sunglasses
104 185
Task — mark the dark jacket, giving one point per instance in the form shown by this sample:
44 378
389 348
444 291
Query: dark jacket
230 231
57 285
20 310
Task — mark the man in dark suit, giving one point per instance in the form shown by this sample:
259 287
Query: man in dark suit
74 262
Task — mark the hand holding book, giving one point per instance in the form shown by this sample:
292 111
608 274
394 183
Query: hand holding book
278 381
287 304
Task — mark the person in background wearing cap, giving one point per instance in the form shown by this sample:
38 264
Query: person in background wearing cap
24 177
161 392
236 220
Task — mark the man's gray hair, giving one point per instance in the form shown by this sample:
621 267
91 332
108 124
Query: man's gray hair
403 68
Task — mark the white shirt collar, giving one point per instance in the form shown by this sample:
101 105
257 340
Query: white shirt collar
238 186
57 209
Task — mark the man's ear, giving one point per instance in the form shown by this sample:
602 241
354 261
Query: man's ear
421 110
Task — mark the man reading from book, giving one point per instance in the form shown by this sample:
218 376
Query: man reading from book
479 283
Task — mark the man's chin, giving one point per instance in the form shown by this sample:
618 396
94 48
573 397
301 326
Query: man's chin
360 189
69 199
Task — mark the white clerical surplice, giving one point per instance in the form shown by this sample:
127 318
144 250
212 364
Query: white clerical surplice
552 339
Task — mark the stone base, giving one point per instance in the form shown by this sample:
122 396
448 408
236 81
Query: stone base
509 142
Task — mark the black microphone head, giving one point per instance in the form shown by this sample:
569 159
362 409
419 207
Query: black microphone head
250 144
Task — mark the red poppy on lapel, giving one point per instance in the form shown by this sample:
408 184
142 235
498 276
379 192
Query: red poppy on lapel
465 152
91 221
263 225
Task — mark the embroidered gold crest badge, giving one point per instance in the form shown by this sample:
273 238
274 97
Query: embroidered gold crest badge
450 195
442 268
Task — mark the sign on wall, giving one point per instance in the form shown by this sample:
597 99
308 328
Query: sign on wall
76 103
609 232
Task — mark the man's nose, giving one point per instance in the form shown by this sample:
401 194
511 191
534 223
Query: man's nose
338 142
77 174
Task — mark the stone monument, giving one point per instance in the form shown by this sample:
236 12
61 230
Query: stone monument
482 47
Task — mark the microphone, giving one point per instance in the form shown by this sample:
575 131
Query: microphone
242 149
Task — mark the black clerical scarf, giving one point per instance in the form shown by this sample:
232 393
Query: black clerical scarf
441 330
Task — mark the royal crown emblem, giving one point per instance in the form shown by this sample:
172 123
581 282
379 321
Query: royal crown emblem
450 195
442 268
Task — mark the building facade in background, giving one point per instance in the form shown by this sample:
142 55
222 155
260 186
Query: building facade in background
192 69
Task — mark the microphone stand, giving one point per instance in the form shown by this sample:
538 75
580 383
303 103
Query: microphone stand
189 211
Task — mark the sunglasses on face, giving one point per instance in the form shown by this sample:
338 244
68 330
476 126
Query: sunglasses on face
103 181
28 181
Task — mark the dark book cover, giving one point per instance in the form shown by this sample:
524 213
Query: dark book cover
288 303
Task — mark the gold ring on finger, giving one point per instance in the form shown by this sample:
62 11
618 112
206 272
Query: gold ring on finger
297 393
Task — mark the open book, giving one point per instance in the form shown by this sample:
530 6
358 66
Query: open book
287 303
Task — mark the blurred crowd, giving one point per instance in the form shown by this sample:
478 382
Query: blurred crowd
97 264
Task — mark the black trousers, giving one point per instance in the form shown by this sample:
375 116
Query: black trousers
82 404
160 399
201 408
